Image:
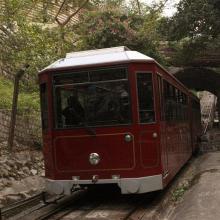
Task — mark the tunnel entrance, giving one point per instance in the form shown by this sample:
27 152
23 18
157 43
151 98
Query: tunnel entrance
201 79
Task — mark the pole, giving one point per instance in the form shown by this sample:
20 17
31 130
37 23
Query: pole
18 76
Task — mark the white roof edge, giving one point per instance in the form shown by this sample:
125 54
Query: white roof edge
100 56
97 51
113 55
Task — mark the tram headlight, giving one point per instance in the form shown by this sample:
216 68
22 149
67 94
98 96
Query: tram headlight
94 158
128 138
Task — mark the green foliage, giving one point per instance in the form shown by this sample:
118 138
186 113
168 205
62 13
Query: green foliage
30 43
108 28
178 193
29 100
38 43
6 93
194 29
185 51
194 19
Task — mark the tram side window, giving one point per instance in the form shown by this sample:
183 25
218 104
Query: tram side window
161 100
180 105
185 108
168 92
175 103
44 105
145 97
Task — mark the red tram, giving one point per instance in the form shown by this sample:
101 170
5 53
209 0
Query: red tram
115 116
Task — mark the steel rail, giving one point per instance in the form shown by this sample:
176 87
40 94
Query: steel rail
27 206
51 209
13 209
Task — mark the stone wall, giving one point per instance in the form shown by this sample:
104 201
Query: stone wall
27 129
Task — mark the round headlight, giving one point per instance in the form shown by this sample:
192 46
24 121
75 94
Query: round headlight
94 158
128 138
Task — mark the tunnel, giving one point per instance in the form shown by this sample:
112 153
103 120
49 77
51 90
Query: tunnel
200 79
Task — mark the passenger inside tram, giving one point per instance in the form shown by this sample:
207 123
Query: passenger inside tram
145 97
74 112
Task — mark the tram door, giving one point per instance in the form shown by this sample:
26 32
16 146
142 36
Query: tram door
148 127
163 137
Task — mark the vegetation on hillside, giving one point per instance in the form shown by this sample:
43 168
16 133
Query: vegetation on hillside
33 43
193 30
109 28
26 101
101 24
40 38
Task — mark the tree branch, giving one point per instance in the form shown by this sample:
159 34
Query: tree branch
60 9
70 16
139 7
161 5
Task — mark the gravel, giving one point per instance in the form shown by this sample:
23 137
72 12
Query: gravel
21 173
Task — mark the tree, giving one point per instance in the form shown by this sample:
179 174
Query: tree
32 37
25 42
196 19
193 28
119 26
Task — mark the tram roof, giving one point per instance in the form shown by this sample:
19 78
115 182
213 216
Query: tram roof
99 56
120 54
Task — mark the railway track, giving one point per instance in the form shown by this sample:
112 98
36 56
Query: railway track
21 208
13 209
82 204
104 207
52 209
93 204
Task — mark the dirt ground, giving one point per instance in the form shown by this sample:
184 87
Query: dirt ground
21 173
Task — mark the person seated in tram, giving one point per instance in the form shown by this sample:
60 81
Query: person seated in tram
107 107
113 105
123 96
74 112
146 102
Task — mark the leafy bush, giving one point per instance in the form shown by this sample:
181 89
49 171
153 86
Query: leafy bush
178 193
25 100
6 92
102 29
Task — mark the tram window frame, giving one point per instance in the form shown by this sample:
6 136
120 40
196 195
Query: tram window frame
181 104
161 96
44 106
153 110
125 78
175 103
168 100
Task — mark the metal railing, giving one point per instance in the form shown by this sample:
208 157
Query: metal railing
210 115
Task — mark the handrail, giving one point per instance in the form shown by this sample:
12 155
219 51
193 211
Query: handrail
212 110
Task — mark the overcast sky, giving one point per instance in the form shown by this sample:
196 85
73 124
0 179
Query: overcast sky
169 8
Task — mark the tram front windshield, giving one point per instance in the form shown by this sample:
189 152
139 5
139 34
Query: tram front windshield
93 98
